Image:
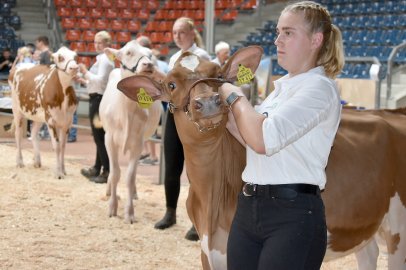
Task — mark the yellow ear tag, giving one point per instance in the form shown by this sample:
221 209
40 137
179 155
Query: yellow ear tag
144 100
244 75
111 56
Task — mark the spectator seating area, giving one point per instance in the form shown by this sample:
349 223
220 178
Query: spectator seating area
9 22
125 19
369 28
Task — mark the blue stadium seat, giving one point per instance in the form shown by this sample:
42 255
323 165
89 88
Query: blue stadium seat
15 22
401 57
3 44
5 8
7 33
269 49
16 43
277 70
3 20
269 38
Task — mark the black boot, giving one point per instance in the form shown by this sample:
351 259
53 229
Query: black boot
102 178
168 220
192 234
90 172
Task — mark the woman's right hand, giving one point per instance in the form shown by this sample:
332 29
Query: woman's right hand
82 68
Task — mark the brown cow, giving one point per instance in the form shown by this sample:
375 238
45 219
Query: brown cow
365 195
45 94
215 178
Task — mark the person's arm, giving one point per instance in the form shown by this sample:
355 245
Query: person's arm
296 117
105 67
249 122
233 129
4 63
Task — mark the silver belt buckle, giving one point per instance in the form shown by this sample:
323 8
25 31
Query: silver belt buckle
245 186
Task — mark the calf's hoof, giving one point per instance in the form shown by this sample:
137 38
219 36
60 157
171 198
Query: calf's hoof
20 165
167 221
192 235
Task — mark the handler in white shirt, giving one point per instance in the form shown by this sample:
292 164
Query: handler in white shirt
280 220
96 81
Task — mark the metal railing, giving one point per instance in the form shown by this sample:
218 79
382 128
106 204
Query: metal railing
52 22
391 70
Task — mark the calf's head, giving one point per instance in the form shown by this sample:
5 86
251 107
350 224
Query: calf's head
133 58
192 85
66 60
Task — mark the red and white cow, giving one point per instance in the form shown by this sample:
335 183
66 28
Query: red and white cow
127 124
45 94
365 195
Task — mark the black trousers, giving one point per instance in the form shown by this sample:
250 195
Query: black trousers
277 233
102 159
174 159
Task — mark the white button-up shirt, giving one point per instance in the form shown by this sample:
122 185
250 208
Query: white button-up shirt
303 114
98 74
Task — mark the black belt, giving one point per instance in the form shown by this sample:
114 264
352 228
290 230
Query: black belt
287 191
94 95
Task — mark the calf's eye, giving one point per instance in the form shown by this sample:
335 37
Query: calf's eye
172 85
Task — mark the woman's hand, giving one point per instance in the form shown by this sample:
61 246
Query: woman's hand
227 88
82 68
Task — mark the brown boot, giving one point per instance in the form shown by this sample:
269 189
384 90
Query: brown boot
168 220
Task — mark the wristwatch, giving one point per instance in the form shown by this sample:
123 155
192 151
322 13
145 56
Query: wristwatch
233 97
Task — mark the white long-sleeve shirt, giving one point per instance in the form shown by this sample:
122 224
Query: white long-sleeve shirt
194 49
303 114
98 74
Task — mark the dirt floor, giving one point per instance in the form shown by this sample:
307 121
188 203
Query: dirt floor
46 223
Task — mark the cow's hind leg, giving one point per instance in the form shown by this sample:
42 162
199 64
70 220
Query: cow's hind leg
114 174
367 256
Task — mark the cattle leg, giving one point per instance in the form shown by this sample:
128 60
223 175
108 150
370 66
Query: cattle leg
114 175
56 144
367 257
130 181
205 261
18 120
35 143
62 140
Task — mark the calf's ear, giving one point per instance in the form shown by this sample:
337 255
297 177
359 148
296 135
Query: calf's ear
248 57
141 88
111 53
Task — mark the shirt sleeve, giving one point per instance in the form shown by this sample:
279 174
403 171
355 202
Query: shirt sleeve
105 67
308 106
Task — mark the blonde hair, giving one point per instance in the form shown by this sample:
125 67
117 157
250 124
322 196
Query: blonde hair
104 36
24 51
331 53
191 24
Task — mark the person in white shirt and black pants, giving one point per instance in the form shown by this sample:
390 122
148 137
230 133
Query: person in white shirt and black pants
280 218
96 81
